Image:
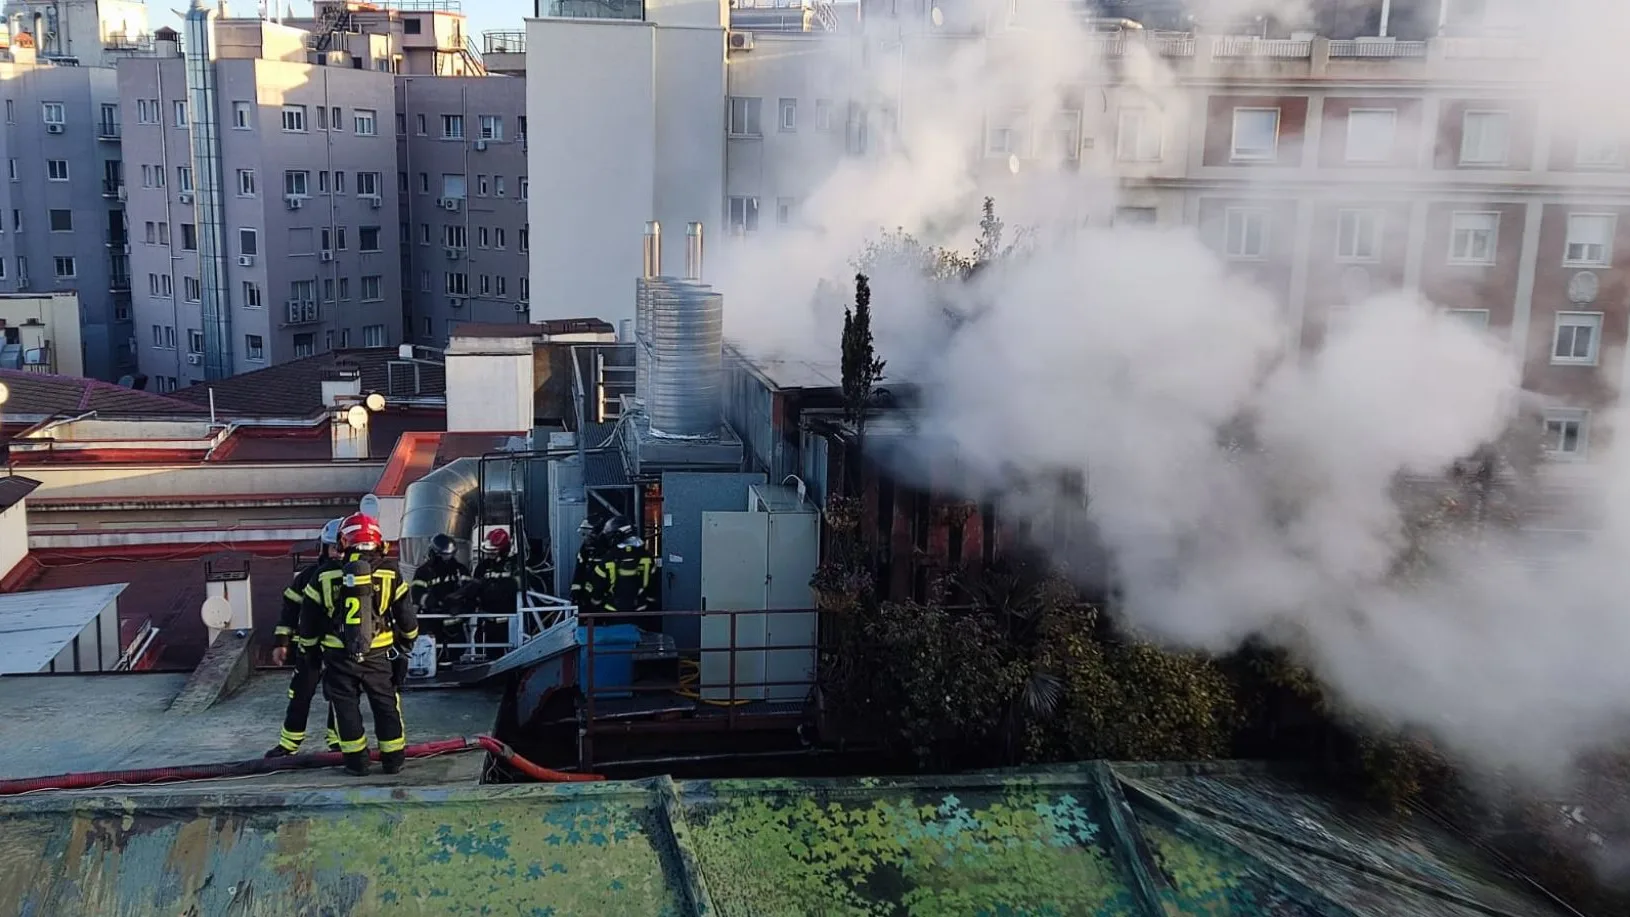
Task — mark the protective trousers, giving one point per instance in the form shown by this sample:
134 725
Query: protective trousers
345 681
308 675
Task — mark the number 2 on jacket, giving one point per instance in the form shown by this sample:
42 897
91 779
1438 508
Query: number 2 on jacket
353 610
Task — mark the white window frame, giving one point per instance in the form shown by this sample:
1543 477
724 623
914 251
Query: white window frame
491 127
243 118
373 335
294 119
254 348
51 168
747 220
1066 134
289 176
1392 136
1571 320
787 115
365 122
1606 259
54 112
1478 318
181 119
246 183
743 116
452 127
1560 417
1242 213
1014 128
1494 238
72 263
1352 253
1235 154
378 288
1132 135
1465 137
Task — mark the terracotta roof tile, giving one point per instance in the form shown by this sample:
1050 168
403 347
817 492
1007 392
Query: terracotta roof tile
43 395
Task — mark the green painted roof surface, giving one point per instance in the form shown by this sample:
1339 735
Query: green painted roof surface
1090 840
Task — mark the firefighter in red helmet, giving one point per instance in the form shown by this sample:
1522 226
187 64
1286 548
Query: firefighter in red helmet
498 587
370 622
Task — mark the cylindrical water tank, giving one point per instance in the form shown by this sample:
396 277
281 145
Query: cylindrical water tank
687 360
644 290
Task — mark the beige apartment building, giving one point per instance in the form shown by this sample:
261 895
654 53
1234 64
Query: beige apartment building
39 332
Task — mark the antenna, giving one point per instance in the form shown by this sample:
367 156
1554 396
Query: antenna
357 417
375 402
217 613
369 506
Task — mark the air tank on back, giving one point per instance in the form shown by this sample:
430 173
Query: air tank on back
684 348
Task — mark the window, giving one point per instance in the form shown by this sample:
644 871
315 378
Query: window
783 210
159 285
11 169
424 233
368 238
1600 145
322 118
486 284
520 128
481 187
502 288
454 236
1370 134
424 282
1472 237
458 284
246 183
254 347
1475 318
345 288
1247 233
65 266
181 113
452 127
242 116
54 112
183 178
1138 136
11 112
492 127
189 237
522 188
742 120
146 111
367 184
823 115
498 237
1567 433
1484 138
411 25
248 242
365 122
498 186
1007 135
744 214
191 289
789 115
483 238
294 117
1577 337
251 295
1358 235
303 290
524 241
1066 135
424 182
305 344
164 233
1256 135
297 184
56 169
1590 240
526 288
455 185
371 288
373 336
195 341
62 221
401 124
2 268
419 122
158 335
339 182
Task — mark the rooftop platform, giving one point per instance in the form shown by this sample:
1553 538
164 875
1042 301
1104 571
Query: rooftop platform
1093 839
122 722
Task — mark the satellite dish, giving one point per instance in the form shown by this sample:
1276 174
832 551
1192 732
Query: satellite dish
217 613
937 16
375 402
369 506
1013 163
5 393
357 416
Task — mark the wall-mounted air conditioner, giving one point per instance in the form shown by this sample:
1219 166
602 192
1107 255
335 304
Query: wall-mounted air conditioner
195 359
455 302
374 201
295 311
481 146
326 255
521 306
246 261
53 128
185 197
453 254
450 204
294 201
741 41
308 311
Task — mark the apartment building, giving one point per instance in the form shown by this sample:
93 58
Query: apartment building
81 33
462 177
39 332
61 220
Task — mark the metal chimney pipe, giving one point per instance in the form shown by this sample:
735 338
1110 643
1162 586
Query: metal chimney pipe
693 251
653 250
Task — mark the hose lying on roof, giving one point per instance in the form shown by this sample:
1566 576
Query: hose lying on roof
86 781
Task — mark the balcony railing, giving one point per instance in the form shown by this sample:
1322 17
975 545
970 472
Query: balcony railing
503 41
107 130
119 283
1286 48
1361 48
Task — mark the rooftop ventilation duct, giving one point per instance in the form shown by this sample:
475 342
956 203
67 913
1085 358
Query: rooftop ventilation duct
693 252
446 501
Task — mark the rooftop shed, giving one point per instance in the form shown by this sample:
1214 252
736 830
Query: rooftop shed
60 630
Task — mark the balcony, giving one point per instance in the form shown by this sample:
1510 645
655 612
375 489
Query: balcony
503 41
108 130
113 188
119 282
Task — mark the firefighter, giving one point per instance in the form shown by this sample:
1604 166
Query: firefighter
623 580
441 586
371 622
588 557
296 625
496 586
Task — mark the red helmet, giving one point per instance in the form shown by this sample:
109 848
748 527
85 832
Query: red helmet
361 533
498 541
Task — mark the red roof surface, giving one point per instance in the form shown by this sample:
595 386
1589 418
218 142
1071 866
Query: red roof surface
295 388
44 395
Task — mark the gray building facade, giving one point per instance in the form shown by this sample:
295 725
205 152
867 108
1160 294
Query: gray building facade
461 148
62 223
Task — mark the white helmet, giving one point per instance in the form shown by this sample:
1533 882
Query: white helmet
331 532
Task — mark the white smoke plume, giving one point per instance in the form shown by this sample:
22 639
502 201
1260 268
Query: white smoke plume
1120 353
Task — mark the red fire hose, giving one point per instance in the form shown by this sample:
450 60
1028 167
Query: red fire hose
86 781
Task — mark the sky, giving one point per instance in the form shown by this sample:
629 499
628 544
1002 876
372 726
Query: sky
485 15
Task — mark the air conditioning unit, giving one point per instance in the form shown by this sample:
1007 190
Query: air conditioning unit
450 204
123 194
741 41
294 201
308 311
374 201
481 146
53 128
522 306
327 255
195 359
453 254
296 311
185 196
246 261
455 302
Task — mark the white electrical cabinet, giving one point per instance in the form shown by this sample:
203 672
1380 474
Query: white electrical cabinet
760 562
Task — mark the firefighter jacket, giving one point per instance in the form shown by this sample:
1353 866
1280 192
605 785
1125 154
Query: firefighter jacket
583 576
498 589
623 581
435 580
298 620
369 601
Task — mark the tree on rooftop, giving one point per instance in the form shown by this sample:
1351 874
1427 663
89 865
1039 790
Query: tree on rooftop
862 369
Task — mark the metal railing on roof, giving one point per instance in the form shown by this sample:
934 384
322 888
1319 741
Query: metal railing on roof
1363 48
419 6
503 41
1287 48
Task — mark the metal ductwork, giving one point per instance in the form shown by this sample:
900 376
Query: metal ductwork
446 501
693 252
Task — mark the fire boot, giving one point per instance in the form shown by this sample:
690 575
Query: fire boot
278 751
356 763
391 761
